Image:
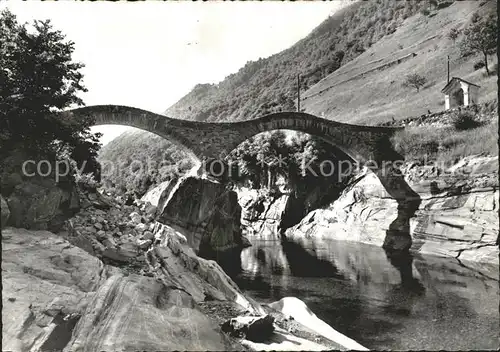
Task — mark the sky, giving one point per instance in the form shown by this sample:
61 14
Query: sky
150 54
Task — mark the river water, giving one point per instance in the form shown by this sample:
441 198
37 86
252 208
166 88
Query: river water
418 303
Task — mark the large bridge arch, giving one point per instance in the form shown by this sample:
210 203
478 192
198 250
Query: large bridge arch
215 140
133 117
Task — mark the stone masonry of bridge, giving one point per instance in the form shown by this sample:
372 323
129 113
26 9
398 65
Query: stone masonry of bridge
215 140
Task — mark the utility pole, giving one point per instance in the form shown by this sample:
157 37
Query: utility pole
448 81
298 93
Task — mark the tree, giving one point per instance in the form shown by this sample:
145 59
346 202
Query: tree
38 78
453 34
481 37
414 80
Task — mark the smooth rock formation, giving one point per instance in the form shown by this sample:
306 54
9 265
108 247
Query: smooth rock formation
267 213
58 297
363 213
457 215
459 212
200 277
284 341
208 212
139 313
5 212
153 195
261 216
160 195
294 307
45 281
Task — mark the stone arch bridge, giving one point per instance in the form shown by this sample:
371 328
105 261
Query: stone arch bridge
214 140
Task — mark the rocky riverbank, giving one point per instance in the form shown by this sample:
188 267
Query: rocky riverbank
457 216
58 296
116 279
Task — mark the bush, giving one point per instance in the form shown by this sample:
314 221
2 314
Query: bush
453 33
478 65
414 80
465 121
425 12
478 141
418 143
444 144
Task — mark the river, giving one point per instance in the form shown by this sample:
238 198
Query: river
414 303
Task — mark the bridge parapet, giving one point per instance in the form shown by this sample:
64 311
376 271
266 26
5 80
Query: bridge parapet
208 139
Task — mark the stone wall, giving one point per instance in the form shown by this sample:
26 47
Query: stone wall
486 113
214 140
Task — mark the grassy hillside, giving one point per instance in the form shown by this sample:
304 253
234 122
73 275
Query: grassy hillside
368 89
269 85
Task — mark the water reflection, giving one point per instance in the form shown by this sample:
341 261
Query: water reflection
402 260
384 302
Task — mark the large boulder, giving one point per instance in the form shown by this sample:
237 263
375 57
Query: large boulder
298 310
5 212
200 277
41 203
363 213
257 329
159 195
208 212
261 215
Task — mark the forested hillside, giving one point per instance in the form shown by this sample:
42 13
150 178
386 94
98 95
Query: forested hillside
269 85
137 160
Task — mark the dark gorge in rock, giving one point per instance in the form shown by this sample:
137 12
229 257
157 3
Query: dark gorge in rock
209 212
